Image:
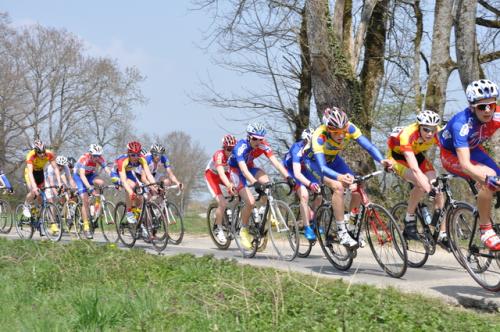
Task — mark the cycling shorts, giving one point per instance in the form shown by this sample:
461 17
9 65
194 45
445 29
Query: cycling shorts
401 165
115 177
477 156
214 182
38 175
305 172
338 165
237 177
79 183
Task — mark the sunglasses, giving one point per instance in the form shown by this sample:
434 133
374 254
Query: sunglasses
96 155
428 129
253 138
483 107
336 131
155 154
133 155
229 149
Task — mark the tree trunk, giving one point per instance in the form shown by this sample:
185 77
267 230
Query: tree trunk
466 42
441 64
304 98
417 42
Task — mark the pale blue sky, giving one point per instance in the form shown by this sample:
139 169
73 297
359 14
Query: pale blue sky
159 38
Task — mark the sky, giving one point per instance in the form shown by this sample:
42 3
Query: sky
160 38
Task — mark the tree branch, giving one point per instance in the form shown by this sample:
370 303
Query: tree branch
487 23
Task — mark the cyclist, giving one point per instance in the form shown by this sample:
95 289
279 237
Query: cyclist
324 161
217 175
86 170
155 158
4 182
406 148
294 163
36 159
244 172
50 177
462 152
123 174
71 165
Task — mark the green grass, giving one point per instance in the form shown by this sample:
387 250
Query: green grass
84 286
195 224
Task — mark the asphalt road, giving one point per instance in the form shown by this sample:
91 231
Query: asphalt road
441 277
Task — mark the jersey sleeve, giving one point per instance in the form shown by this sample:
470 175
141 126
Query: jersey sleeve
318 141
239 151
353 131
50 155
297 153
30 157
406 138
460 133
165 161
266 149
121 164
218 158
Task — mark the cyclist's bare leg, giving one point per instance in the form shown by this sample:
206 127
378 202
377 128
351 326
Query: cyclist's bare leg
305 211
249 200
417 192
129 204
485 197
221 206
262 177
337 197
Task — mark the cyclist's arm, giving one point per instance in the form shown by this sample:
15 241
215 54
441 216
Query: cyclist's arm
223 177
297 173
5 181
417 172
149 177
31 177
327 171
86 183
124 181
370 148
56 170
246 173
279 166
469 168
171 176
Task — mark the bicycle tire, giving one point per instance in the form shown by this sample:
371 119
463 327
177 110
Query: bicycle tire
68 214
465 238
5 217
51 222
127 233
384 236
212 226
283 230
175 223
156 226
252 229
338 255
24 226
418 253
305 246
106 222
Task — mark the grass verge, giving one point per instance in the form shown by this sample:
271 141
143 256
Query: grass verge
84 286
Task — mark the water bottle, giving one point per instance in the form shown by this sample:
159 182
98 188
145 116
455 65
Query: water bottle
435 217
256 216
426 215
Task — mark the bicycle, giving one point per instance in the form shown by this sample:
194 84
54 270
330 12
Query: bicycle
465 240
150 220
276 221
305 245
5 214
45 218
67 202
382 233
419 250
172 213
100 216
226 223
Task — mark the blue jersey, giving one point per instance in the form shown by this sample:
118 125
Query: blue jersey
153 167
243 152
5 181
464 130
296 154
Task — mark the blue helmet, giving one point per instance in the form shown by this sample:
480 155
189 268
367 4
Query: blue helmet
256 129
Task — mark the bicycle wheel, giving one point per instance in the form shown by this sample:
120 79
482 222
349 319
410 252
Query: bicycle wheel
51 222
212 227
68 215
482 264
127 233
175 223
305 246
156 226
417 251
5 217
252 230
107 223
386 241
78 221
283 230
338 255
24 226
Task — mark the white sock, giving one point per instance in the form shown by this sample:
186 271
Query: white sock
410 217
341 226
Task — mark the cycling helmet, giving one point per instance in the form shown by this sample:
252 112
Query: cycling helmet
157 148
228 141
38 146
481 89
256 129
95 149
71 162
428 118
143 151
307 134
335 118
134 147
61 160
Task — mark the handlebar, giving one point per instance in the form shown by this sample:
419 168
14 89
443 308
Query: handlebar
358 179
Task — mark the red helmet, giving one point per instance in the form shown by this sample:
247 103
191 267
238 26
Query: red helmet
228 140
134 147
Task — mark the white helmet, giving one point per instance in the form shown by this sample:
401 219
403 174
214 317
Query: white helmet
61 160
481 89
95 149
428 118
335 118
256 129
307 134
